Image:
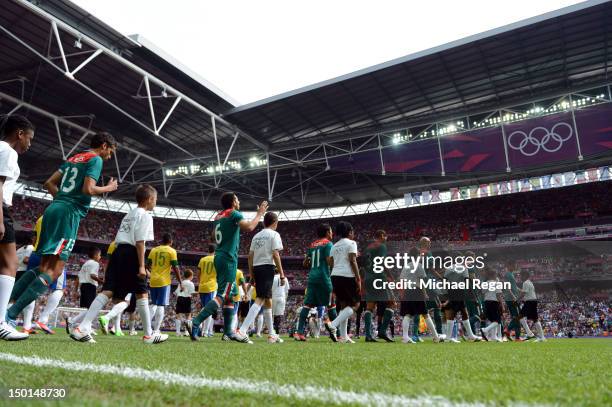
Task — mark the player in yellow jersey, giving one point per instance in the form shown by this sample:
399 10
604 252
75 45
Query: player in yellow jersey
207 287
162 259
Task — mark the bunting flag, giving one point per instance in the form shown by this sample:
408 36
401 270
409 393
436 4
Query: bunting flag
570 178
454 193
546 181
592 174
408 199
605 173
581 177
426 197
525 185
416 198
435 195
558 180
474 191
536 183
484 190
494 189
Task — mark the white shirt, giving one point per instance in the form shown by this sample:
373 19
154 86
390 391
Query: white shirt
279 292
87 269
529 291
340 253
22 253
263 245
491 295
10 170
187 291
136 226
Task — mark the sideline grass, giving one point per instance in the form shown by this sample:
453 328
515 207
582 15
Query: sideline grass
564 372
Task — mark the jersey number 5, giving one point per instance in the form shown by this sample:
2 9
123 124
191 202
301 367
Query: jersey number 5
218 235
68 181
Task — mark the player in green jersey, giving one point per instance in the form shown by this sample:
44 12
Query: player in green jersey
378 248
319 285
72 187
227 227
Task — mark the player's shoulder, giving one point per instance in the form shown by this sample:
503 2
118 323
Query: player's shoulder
320 242
84 157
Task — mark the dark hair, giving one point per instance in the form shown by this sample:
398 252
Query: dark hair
212 247
322 229
144 192
379 233
227 200
270 218
414 252
102 137
343 229
525 273
93 250
9 124
166 238
187 273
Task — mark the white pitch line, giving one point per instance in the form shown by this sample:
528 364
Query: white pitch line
288 391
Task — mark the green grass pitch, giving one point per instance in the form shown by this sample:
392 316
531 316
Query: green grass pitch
558 372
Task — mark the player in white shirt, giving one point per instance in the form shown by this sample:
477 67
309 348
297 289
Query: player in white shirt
184 292
264 256
17 133
89 279
493 301
529 310
279 300
345 280
456 303
126 272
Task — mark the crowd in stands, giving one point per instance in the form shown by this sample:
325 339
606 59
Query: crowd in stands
455 221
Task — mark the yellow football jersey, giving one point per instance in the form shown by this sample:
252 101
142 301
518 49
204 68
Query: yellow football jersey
208 274
37 228
161 259
239 281
111 248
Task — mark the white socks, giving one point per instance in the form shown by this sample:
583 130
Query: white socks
52 302
259 324
177 324
268 320
6 287
539 330
431 326
142 306
28 313
78 319
468 329
406 321
449 328
117 323
343 315
209 326
526 327
117 310
343 328
132 325
492 328
96 306
499 331
158 317
253 311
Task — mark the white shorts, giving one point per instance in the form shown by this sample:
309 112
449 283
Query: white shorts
278 306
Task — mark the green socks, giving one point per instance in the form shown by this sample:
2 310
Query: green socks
228 316
208 310
36 288
367 316
332 313
437 320
24 281
416 321
302 321
386 319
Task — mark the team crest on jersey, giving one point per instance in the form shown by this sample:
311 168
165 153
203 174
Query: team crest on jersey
82 157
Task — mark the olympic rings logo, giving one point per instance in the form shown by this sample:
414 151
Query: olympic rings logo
540 138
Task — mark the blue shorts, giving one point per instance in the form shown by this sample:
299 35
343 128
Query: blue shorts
321 311
60 283
160 295
33 261
205 298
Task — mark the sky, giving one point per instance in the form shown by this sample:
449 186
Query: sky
252 50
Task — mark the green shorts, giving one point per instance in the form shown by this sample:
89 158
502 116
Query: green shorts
318 292
512 308
472 307
226 278
58 231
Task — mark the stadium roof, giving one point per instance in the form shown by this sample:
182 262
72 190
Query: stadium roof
182 134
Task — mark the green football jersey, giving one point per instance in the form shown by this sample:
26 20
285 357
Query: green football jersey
374 249
318 252
509 276
227 232
74 171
